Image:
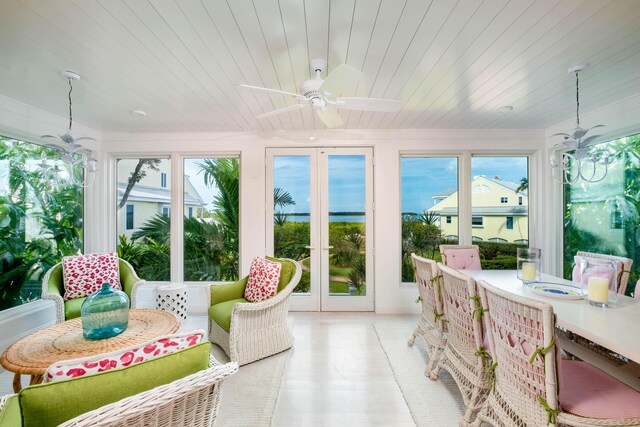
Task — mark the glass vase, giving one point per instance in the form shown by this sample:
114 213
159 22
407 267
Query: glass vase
105 313
598 281
528 264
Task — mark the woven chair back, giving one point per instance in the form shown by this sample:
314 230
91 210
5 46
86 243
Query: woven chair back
464 321
623 280
474 264
517 328
428 283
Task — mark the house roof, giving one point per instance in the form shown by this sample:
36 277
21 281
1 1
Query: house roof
488 211
144 193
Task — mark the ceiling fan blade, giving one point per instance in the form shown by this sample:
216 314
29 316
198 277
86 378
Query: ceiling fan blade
279 92
330 117
344 77
566 135
369 104
281 110
587 142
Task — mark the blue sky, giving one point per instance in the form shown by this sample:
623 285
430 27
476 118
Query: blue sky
422 177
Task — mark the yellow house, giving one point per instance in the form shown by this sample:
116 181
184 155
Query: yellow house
499 212
152 196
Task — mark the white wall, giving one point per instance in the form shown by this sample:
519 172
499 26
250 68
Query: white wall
390 296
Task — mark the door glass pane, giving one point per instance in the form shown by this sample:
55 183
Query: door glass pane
500 208
292 210
211 221
142 224
603 217
347 194
429 207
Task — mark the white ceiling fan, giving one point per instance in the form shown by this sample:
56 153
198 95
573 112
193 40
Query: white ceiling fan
321 94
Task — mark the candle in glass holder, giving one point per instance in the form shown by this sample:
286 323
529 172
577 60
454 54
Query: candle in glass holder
528 271
598 289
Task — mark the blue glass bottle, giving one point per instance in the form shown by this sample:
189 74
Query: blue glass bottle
105 313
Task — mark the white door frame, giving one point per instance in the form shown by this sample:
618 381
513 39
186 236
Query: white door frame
319 298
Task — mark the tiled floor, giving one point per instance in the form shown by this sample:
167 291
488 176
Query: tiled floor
337 373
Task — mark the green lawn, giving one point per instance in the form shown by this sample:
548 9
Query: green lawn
336 287
333 269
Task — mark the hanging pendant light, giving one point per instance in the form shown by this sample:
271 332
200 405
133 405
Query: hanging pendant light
578 160
72 155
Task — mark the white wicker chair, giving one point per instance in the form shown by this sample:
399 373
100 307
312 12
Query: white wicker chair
190 401
623 280
464 354
451 248
431 326
525 389
257 330
55 292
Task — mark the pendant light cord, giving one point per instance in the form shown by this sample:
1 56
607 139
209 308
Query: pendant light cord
70 111
577 101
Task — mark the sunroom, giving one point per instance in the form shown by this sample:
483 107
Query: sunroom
302 212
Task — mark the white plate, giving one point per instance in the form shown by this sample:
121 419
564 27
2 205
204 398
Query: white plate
556 290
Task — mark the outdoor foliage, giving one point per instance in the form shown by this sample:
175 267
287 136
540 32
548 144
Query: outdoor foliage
620 192
39 224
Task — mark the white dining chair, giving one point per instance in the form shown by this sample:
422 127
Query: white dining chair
461 257
431 326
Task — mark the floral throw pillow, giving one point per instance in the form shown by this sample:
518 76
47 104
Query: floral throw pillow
122 358
263 280
85 274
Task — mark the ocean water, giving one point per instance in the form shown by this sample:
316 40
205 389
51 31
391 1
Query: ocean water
332 218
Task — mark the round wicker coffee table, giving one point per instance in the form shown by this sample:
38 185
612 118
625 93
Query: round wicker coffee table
33 354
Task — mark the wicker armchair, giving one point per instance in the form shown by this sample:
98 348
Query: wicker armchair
461 257
254 330
189 401
431 326
529 388
53 289
464 356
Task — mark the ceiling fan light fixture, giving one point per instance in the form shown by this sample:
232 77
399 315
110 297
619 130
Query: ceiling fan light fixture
578 161
71 154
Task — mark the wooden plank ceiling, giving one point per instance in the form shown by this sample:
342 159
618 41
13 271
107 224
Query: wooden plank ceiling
451 63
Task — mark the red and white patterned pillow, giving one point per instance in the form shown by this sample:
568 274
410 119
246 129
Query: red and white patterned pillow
122 358
264 276
85 274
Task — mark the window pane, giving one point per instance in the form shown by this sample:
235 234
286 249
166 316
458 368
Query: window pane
39 224
429 192
291 205
499 205
603 217
211 218
142 227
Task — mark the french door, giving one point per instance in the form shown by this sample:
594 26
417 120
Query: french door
320 212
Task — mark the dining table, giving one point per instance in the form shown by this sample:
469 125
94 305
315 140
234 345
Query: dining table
613 327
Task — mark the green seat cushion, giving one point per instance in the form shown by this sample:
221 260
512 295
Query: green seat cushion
72 308
221 312
286 272
227 292
10 415
54 403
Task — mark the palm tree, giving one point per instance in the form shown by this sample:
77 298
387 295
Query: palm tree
524 185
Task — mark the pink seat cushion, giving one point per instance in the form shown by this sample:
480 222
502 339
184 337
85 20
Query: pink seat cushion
463 259
595 270
588 392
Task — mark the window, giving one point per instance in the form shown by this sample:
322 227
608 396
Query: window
504 200
602 216
509 223
141 223
211 250
163 180
166 211
32 212
429 188
129 218
520 201
476 221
